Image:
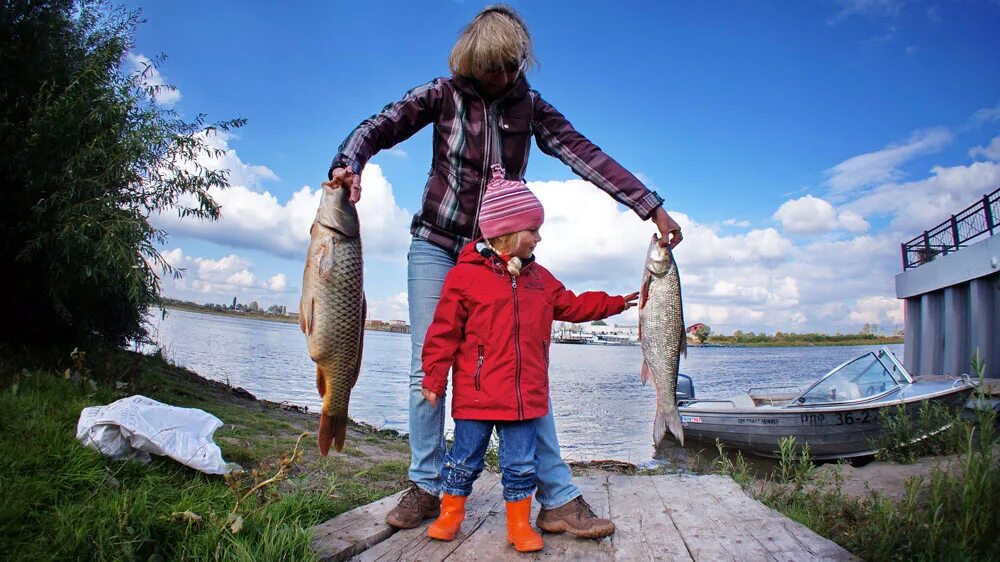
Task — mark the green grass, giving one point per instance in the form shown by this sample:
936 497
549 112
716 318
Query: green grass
62 501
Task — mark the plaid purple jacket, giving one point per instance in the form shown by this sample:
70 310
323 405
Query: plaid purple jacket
469 136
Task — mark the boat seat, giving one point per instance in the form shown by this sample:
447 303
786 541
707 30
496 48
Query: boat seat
850 390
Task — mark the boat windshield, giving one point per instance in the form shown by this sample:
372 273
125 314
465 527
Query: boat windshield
867 376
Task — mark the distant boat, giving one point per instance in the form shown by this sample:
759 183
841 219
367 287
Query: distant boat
838 415
573 339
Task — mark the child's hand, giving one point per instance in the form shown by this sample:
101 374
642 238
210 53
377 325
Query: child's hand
630 300
429 396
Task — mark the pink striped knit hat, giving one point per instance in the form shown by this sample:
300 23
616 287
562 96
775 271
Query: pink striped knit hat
508 206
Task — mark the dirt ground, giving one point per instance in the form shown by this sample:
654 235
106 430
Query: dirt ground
889 478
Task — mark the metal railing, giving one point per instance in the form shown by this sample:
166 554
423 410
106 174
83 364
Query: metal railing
982 217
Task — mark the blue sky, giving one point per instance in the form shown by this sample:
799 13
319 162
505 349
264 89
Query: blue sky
798 143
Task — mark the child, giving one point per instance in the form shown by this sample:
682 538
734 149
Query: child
492 327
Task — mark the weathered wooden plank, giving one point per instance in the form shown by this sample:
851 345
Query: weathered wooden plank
783 538
414 544
564 546
667 517
354 531
684 499
645 530
489 542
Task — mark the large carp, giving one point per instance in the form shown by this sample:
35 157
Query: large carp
332 310
661 332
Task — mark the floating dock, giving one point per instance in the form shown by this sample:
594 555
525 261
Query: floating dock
663 517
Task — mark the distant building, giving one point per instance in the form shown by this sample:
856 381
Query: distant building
693 328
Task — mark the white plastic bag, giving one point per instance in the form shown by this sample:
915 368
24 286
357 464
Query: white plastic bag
138 426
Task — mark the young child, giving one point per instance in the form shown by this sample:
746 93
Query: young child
492 327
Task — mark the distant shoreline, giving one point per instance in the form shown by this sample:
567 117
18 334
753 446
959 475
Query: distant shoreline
783 343
252 315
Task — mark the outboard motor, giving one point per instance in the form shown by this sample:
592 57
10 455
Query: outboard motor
685 387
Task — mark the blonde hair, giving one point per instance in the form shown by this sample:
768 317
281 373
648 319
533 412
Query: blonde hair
502 244
496 37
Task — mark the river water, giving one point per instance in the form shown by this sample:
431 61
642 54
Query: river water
602 410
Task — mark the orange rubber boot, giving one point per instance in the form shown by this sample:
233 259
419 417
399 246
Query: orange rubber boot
519 531
450 521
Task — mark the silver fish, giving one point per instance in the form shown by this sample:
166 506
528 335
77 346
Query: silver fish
333 308
661 332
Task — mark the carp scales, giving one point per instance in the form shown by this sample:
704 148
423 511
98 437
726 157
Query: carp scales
333 308
661 333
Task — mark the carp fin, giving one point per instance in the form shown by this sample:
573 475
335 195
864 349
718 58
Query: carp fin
320 381
325 260
667 421
361 339
332 429
306 316
645 375
647 279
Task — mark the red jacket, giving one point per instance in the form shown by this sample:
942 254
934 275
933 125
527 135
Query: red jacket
493 331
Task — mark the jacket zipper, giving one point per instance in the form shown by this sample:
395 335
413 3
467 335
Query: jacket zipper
517 352
489 126
479 366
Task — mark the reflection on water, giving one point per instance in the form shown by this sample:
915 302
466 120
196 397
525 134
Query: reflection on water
601 409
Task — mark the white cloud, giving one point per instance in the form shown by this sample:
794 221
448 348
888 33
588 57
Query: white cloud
278 282
880 166
219 280
242 278
812 215
173 257
249 176
256 219
921 204
736 222
991 152
885 311
165 94
872 8
986 115
393 307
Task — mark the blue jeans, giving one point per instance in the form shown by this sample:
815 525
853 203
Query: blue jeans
464 461
427 265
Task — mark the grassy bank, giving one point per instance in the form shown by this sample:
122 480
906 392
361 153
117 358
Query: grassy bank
948 515
66 502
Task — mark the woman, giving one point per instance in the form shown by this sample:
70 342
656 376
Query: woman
484 114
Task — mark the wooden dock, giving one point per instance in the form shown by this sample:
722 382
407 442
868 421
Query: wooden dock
667 517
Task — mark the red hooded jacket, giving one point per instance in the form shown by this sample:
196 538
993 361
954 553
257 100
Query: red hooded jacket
493 331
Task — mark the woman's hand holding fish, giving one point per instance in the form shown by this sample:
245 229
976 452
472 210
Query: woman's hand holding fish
429 396
630 300
670 231
345 177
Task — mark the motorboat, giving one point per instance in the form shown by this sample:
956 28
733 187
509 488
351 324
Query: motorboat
838 415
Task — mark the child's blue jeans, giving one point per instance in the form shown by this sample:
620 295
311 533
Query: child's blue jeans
464 461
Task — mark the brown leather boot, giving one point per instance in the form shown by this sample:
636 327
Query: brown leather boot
575 518
519 531
415 506
450 521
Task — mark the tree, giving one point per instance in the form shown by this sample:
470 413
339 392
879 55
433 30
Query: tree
598 323
86 156
702 333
